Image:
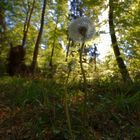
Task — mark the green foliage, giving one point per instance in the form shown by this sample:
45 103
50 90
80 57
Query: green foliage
127 26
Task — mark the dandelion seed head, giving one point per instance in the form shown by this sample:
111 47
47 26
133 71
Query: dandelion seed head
81 29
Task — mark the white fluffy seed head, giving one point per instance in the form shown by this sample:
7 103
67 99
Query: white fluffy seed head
81 29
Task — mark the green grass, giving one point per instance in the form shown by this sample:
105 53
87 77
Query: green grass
34 109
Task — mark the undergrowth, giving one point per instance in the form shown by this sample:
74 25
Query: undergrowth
35 109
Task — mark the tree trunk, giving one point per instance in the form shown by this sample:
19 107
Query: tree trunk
120 62
53 47
2 29
34 61
27 24
2 20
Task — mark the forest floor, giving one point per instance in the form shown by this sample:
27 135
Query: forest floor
34 109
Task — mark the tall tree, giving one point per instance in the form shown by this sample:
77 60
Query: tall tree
27 22
2 23
120 62
35 54
53 47
129 30
2 19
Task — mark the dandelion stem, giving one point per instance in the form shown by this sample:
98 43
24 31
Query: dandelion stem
85 81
